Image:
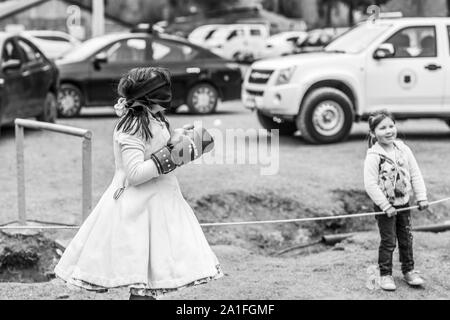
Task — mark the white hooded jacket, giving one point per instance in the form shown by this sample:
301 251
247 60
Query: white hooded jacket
389 181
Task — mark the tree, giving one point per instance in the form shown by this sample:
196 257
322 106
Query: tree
210 5
352 6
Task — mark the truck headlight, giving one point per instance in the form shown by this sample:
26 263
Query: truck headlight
285 75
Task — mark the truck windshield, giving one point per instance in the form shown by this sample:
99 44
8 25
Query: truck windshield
359 38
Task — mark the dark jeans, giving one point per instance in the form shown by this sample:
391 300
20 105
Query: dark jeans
391 229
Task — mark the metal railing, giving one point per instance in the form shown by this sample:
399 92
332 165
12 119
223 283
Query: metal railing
86 192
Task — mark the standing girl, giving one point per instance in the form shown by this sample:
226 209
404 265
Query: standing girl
390 172
142 234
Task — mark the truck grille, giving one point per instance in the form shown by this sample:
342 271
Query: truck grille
255 93
260 76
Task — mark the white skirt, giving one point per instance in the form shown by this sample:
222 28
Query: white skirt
149 240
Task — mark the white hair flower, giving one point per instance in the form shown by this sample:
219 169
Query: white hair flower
119 107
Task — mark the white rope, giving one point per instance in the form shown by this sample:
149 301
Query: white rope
345 216
213 224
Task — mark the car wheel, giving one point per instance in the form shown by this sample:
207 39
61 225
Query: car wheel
70 101
50 112
326 116
202 98
286 128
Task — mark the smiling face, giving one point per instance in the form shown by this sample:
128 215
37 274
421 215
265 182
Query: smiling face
385 132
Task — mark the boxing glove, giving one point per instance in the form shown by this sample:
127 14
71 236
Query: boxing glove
189 147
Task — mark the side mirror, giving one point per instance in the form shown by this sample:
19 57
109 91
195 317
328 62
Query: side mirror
100 57
12 64
386 50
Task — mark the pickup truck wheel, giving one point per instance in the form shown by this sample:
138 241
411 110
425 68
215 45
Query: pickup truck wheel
285 128
326 116
50 112
202 98
70 101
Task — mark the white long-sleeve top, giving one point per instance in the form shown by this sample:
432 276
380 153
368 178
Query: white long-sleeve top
134 165
137 169
389 181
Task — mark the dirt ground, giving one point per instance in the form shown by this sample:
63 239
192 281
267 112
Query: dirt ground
312 181
337 273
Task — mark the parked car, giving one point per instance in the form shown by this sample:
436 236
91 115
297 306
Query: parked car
28 81
396 64
201 35
240 42
318 38
283 43
53 44
90 73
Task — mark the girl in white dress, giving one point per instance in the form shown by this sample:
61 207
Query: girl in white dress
142 233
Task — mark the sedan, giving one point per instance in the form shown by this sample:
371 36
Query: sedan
283 44
90 73
54 44
28 81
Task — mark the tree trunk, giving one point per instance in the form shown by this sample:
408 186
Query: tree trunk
351 9
420 12
276 6
328 12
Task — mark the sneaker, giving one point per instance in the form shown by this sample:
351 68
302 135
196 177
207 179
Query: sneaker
387 283
413 279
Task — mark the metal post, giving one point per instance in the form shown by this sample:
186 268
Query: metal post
20 124
20 174
87 176
98 18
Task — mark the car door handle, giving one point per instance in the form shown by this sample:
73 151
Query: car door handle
433 67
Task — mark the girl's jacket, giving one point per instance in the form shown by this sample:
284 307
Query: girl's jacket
389 181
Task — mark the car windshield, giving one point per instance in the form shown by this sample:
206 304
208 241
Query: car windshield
88 48
358 38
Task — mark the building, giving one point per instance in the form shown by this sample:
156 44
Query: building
62 15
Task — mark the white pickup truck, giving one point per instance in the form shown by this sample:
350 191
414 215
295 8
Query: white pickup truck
402 65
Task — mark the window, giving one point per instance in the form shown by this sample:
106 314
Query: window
235 33
10 52
255 32
414 42
30 54
129 51
209 35
448 32
168 51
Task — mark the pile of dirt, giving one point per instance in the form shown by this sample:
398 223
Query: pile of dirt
27 258
232 206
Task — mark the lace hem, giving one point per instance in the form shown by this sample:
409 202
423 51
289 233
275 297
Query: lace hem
156 293
142 289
